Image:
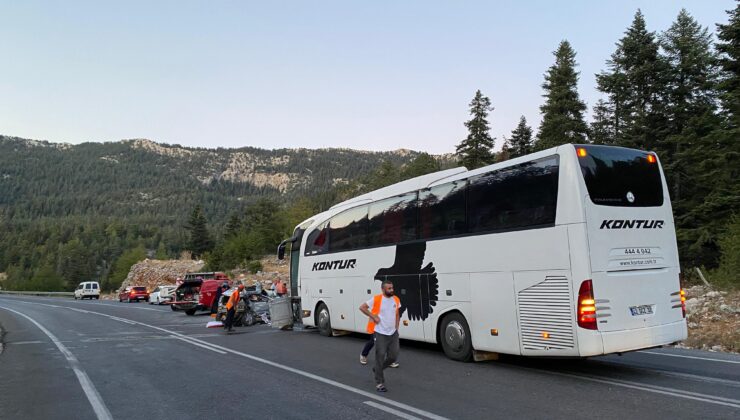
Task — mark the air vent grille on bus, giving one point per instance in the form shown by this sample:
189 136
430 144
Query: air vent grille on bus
546 315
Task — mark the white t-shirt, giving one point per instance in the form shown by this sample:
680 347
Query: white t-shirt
387 324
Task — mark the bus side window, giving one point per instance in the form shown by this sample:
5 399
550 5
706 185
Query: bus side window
518 197
318 240
442 210
393 220
348 230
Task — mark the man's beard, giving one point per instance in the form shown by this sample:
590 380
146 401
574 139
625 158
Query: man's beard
388 294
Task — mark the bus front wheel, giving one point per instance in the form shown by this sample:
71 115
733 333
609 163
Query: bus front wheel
323 320
455 338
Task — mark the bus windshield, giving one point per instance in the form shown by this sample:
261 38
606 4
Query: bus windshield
617 176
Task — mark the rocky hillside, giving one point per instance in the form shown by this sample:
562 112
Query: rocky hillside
713 319
153 273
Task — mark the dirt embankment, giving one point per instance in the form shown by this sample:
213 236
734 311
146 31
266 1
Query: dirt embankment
713 318
153 273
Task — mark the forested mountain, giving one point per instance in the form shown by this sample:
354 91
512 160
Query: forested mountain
143 178
67 212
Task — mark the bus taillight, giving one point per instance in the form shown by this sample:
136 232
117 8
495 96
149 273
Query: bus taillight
683 303
651 158
586 306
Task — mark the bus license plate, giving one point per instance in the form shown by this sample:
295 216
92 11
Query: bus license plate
641 310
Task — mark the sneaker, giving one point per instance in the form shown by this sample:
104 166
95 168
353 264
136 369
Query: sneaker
394 365
381 388
363 360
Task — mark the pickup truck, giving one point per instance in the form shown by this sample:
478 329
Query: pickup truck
196 294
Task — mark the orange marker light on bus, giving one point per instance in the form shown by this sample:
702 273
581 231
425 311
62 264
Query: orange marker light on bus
581 152
651 158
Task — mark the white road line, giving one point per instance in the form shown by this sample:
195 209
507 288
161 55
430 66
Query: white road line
393 411
691 357
80 310
652 388
198 344
116 318
17 343
101 411
626 364
366 394
123 306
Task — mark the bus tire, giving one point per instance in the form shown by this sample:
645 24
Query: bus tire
454 335
190 312
323 320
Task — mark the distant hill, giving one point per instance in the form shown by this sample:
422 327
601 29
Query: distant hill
141 177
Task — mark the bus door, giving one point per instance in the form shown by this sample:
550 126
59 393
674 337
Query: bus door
295 254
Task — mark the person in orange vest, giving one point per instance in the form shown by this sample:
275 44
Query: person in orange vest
280 288
384 313
231 307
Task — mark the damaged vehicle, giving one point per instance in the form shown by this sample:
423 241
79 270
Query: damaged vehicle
252 308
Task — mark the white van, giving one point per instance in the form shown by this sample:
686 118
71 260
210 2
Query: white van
87 289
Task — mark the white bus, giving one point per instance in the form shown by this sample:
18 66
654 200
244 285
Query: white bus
570 251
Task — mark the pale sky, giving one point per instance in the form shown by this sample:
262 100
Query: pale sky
378 75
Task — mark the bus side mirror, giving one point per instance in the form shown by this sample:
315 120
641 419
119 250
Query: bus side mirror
281 251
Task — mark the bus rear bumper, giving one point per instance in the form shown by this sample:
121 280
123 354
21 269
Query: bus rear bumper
641 338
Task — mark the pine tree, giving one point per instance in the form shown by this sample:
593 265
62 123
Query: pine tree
690 150
477 148
161 252
603 127
634 84
720 168
562 112
200 239
421 165
505 153
729 59
233 226
521 142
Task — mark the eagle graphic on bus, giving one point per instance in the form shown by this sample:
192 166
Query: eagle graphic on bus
416 287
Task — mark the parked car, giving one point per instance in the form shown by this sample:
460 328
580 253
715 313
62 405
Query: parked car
133 293
87 289
161 294
196 294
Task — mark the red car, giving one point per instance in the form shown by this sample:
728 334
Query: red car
133 293
196 294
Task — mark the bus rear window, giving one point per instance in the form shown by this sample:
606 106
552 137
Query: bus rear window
616 176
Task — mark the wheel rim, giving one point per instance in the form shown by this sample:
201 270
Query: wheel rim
324 319
455 336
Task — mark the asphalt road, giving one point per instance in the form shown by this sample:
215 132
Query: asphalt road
66 359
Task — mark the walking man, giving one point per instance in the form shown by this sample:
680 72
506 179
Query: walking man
383 311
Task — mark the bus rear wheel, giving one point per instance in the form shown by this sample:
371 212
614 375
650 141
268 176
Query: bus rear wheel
454 334
323 320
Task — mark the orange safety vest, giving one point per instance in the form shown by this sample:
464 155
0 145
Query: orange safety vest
233 300
377 300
